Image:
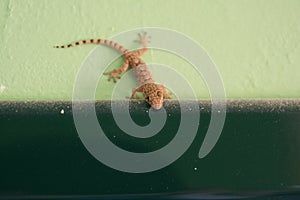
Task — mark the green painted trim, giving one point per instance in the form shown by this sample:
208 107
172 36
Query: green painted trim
257 153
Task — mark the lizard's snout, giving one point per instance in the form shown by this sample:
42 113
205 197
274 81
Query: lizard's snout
156 106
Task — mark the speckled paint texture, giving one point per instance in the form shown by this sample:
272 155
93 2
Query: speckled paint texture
254 43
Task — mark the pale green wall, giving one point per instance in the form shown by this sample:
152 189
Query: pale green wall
254 43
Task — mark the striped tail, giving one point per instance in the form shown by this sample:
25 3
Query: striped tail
96 41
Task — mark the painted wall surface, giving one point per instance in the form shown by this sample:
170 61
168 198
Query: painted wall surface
254 43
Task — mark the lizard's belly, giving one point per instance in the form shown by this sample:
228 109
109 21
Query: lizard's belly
142 74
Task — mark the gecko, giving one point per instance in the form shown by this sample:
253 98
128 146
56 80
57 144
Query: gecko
153 93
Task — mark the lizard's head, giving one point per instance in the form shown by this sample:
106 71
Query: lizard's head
153 94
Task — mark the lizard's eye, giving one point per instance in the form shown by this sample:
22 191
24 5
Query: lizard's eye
148 98
158 93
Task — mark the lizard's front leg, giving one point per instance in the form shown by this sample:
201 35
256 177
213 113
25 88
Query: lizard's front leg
134 91
166 95
116 73
144 39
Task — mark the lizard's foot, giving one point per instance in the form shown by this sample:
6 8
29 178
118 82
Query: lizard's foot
114 75
144 39
133 95
167 97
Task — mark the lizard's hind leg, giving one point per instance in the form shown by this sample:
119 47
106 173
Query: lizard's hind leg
116 73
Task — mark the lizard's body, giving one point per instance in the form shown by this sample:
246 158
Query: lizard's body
153 93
